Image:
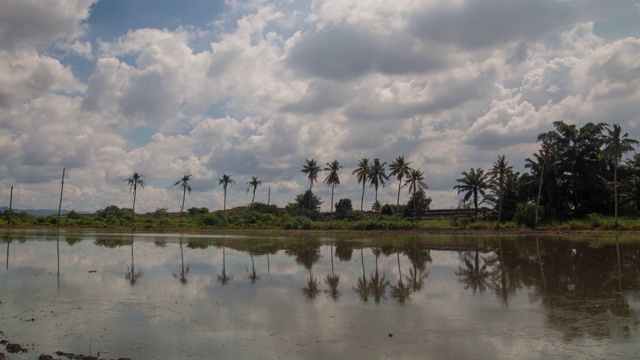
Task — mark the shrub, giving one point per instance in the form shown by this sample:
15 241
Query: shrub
525 214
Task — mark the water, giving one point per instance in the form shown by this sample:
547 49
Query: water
159 296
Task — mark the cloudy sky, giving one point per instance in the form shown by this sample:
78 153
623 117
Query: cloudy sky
253 88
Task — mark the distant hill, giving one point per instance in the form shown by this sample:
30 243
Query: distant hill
41 212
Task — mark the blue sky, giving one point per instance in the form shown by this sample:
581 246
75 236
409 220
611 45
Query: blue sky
253 88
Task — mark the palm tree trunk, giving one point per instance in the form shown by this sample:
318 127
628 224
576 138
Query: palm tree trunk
254 195
133 207
544 163
362 198
415 207
61 190
475 204
332 189
398 199
184 194
615 192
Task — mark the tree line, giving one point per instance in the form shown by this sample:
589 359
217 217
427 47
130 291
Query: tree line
577 171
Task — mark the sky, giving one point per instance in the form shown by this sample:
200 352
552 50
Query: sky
253 88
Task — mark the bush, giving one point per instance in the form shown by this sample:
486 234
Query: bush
525 214
388 210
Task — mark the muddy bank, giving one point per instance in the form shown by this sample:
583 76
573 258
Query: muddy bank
16 348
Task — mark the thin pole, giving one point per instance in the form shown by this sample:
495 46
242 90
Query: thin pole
61 190
269 197
11 205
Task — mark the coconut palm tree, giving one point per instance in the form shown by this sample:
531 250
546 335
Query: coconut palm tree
416 183
362 174
377 175
615 145
498 175
311 168
332 179
134 181
399 168
225 180
184 184
253 184
472 183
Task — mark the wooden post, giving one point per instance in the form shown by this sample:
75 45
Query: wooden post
61 189
11 205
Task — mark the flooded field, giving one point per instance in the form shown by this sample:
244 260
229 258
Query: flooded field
162 296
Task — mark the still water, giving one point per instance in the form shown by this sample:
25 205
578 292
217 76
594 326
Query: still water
161 296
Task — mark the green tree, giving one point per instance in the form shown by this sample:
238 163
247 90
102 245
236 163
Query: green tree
472 183
377 175
225 181
416 183
184 184
332 179
498 175
253 184
306 202
400 169
134 181
417 205
615 145
362 174
630 186
343 206
311 169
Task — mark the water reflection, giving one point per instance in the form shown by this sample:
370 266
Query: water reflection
377 284
575 290
362 287
401 291
332 280
475 274
224 278
132 275
182 276
7 239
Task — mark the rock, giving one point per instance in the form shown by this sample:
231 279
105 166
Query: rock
15 348
45 357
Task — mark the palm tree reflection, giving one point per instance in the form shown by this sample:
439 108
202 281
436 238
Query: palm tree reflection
333 279
253 276
131 273
401 291
182 276
362 287
224 278
419 257
474 276
311 290
377 285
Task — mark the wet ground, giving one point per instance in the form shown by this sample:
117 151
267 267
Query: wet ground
151 296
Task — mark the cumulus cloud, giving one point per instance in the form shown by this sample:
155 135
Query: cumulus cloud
449 85
31 23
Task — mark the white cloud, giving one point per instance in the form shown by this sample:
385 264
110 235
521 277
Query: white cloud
448 85
34 23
